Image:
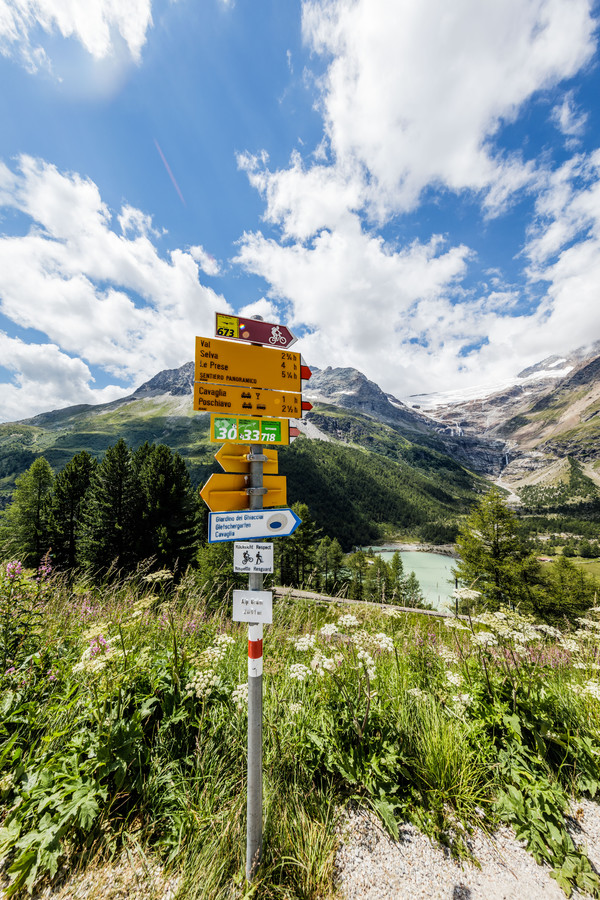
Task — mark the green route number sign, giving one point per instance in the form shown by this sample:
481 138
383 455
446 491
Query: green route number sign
246 429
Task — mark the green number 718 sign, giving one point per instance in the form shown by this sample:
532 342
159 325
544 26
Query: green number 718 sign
248 430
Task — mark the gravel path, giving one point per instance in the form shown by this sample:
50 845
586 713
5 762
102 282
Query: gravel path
372 866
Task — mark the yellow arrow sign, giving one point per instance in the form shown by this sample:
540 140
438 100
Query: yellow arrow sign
246 401
234 458
225 493
247 429
225 362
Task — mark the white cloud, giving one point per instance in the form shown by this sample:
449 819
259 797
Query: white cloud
415 92
45 377
205 260
94 23
414 99
104 298
568 118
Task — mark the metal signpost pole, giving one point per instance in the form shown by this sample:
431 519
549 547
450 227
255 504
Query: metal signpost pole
255 669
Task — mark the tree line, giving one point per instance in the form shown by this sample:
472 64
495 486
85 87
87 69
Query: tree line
130 506
135 505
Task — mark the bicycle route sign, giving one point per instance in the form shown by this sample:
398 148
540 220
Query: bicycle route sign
254 331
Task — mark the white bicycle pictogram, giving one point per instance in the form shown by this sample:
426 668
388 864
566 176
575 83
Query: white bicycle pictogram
276 336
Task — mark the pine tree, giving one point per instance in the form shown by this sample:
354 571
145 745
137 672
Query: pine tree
377 585
336 563
169 506
493 559
396 578
322 561
66 507
357 564
25 523
297 553
111 528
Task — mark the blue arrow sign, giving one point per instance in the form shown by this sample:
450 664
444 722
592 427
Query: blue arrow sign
250 524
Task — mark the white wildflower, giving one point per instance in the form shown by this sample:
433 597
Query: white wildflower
570 644
447 654
485 638
464 699
306 642
466 594
549 630
454 678
239 695
455 623
224 640
295 708
299 671
202 684
418 693
369 663
592 688
328 630
321 663
348 621
382 642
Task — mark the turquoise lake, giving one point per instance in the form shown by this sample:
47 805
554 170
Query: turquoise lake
433 571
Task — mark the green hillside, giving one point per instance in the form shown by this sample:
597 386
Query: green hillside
372 483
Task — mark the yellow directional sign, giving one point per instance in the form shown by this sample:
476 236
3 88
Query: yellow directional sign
234 458
248 429
225 493
225 362
225 398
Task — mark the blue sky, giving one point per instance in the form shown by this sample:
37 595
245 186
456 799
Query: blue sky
414 188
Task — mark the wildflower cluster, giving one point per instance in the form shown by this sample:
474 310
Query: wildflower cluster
299 672
213 655
14 569
239 695
201 684
306 642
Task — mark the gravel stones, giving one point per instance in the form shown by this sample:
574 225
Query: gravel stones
370 865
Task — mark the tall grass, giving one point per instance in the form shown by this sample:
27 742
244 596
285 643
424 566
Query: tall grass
123 720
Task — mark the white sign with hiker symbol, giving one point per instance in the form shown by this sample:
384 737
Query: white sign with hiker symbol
252 557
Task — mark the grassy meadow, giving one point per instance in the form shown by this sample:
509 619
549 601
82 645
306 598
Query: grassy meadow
124 716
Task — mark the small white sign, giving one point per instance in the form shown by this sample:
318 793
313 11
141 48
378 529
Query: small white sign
253 606
250 557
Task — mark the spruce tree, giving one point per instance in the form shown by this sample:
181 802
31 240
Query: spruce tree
25 524
336 562
66 507
493 558
111 528
169 506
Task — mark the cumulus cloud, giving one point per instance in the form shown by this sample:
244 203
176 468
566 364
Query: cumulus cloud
415 92
414 100
94 23
94 284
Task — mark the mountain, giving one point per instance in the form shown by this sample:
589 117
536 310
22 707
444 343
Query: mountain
552 413
367 465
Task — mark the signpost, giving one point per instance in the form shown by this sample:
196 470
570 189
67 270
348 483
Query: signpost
228 491
242 386
246 428
225 398
223 362
254 331
243 526
235 458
